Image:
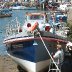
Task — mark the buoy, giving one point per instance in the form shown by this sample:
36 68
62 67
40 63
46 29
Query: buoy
32 28
20 30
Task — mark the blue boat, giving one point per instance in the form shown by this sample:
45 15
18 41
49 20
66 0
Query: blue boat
5 12
59 16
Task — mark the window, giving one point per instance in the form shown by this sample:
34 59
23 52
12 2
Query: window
36 17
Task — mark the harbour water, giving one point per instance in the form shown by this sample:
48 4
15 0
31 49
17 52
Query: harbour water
20 14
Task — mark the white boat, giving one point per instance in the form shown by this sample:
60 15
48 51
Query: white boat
18 6
22 7
27 45
63 7
29 8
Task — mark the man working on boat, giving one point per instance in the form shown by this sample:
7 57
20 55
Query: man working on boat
69 46
59 56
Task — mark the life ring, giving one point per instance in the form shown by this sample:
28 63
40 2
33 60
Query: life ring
32 28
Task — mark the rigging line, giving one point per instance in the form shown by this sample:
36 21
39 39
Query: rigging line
48 52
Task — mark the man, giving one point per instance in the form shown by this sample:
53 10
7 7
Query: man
69 46
59 55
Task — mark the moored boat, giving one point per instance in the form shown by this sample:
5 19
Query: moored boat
4 12
26 44
21 7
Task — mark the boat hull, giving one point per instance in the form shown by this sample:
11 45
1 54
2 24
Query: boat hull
31 66
31 54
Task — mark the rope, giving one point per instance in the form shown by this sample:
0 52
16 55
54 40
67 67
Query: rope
48 52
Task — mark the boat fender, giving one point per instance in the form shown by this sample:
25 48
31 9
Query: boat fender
32 28
20 30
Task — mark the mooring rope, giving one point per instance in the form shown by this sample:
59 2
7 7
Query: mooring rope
48 51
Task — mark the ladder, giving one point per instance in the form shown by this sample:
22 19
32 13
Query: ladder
49 53
52 67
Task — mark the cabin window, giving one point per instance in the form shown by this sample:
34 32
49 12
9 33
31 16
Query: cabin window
36 17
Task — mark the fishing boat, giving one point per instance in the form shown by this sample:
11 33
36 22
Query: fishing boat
28 45
5 12
63 7
59 20
21 7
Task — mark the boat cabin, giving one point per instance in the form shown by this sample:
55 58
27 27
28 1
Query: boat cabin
36 16
41 18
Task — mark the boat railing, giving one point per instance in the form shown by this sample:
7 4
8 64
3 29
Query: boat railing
62 31
13 27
